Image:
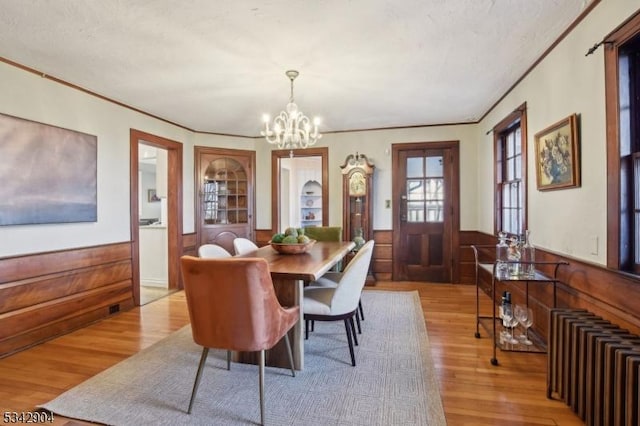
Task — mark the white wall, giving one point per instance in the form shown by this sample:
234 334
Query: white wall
566 221
26 95
149 209
376 145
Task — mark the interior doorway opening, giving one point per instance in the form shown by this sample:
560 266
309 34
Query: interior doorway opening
156 215
153 219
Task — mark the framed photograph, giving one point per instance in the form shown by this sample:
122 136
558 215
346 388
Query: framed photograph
557 155
152 197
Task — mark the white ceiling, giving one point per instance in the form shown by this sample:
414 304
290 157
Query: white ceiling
218 66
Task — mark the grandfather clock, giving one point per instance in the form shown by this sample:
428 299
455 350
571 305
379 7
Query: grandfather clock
357 190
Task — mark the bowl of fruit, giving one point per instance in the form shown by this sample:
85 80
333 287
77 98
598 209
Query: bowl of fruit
292 241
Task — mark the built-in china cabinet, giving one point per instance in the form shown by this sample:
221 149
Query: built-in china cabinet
225 196
311 204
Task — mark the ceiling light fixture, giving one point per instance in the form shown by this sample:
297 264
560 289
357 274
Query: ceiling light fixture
291 128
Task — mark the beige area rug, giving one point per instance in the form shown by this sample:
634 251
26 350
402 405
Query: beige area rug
393 383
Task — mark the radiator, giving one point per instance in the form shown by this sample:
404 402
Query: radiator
594 367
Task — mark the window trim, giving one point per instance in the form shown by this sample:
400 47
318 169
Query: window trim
612 44
519 113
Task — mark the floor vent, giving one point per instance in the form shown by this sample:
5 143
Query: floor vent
114 308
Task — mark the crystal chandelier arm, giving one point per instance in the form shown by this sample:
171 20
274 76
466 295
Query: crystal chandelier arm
303 131
291 128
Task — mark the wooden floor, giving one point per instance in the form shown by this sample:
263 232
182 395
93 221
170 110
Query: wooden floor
473 391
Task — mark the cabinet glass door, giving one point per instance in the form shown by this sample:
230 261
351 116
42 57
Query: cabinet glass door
225 192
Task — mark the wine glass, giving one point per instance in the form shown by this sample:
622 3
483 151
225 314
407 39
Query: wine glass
509 321
520 313
524 315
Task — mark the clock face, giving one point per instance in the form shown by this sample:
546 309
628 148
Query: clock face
357 184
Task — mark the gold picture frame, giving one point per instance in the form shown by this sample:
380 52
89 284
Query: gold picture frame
557 155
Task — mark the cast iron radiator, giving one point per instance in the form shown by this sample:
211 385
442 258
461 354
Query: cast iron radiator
594 367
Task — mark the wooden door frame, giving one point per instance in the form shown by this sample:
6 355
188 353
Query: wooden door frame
174 207
612 43
198 151
276 155
396 184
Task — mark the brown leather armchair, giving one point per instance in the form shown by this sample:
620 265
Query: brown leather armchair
232 305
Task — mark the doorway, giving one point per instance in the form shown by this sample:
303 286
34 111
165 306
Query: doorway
225 196
168 194
426 220
300 186
152 233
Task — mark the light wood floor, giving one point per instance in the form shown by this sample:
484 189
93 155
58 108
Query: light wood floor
473 391
150 294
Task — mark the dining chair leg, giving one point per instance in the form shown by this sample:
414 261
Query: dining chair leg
290 354
228 360
361 311
347 326
358 322
203 359
353 330
306 329
261 362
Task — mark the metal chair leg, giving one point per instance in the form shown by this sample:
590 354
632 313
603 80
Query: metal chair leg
289 354
347 326
203 359
261 361
353 329
228 360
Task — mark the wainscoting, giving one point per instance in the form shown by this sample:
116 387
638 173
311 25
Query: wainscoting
613 295
44 295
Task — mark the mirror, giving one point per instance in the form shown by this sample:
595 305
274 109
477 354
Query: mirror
299 188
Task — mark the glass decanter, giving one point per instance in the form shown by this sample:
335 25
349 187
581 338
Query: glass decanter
528 256
514 255
501 255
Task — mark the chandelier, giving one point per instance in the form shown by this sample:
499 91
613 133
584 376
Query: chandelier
291 128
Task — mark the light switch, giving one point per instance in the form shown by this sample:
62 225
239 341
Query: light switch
593 243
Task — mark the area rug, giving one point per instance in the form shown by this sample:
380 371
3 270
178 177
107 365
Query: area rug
393 383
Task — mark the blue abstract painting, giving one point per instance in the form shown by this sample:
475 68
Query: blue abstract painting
47 174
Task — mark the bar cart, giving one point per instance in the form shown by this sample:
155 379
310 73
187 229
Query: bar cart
489 322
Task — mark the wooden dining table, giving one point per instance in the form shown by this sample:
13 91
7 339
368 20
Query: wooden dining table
289 272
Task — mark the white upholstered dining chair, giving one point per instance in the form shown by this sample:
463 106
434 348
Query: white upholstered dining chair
243 245
339 302
212 251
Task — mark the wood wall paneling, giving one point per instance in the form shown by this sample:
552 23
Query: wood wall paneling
383 254
43 295
611 294
190 244
263 236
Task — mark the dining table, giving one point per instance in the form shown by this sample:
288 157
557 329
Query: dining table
289 272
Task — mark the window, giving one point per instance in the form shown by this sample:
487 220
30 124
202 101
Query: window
622 79
425 189
510 147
